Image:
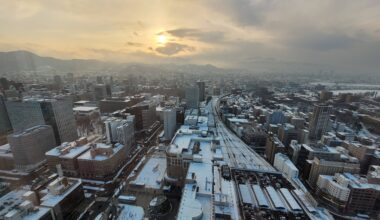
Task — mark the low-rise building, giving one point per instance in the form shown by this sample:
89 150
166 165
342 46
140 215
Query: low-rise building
63 196
102 161
285 165
67 156
23 204
325 167
349 194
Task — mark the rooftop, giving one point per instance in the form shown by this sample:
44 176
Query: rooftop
68 150
131 212
85 109
93 154
52 198
13 202
153 173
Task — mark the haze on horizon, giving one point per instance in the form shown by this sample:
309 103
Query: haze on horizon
261 35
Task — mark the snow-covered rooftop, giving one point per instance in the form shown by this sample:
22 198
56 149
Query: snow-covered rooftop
153 173
131 212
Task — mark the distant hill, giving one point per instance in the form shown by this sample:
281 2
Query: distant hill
23 61
19 61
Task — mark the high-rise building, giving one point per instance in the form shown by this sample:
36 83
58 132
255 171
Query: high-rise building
275 117
287 133
349 194
325 95
99 79
202 90
70 77
29 146
5 124
170 122
121 130
56 113
145 113
58 82
320 121
192 97
24 115
273 146
324 167
100 92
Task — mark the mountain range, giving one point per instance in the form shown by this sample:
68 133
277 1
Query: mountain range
25 61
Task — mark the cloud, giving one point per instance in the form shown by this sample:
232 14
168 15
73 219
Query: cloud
134 44
322 41
170 49
197 34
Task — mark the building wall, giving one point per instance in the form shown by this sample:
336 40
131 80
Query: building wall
192 97
319 123
102 169
285 165
5 124
126 135
170 122
65 120
29 147
24 115
323 167
176 168
363 200
273 146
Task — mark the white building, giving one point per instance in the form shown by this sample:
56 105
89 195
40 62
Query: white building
285 165
336 186
170 122
121 130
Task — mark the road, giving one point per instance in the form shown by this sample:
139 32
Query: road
240 155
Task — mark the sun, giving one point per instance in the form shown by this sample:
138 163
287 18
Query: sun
161 39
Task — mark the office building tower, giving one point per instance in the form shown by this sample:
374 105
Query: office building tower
29 146
320 121
273 146
287 133
202 91
349 194
70 77
275 117
126 134
5 124
56 113
325 95
145 114
99 80
170 122
24 115
58 84
100 92
121 130
192 97
324 167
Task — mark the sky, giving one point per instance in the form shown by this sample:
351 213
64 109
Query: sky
258 35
